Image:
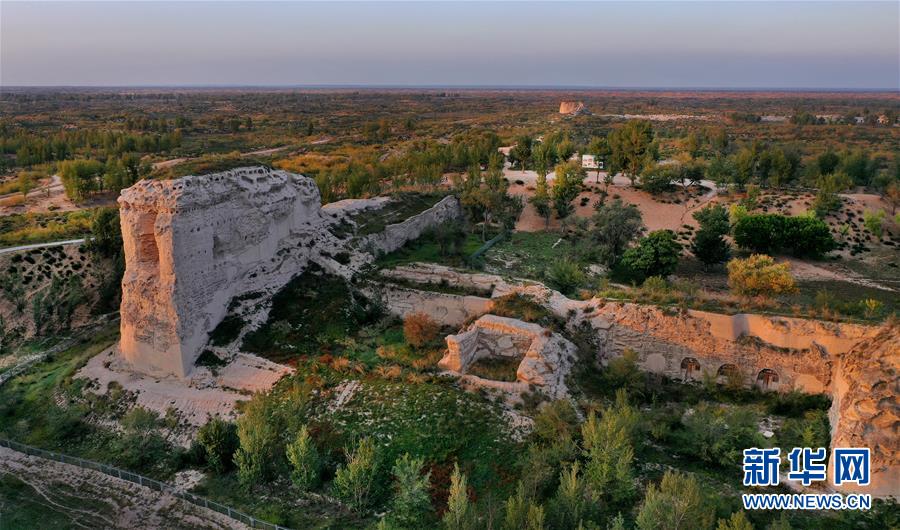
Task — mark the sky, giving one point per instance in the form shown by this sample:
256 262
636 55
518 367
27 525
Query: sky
812 45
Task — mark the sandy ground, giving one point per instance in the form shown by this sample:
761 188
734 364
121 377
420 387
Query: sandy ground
50 197
195 399
656 117
94 500
657 215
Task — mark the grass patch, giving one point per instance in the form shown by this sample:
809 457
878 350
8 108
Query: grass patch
21 506
25 229
527 254
496 368
401 207
427 250
434 420
309 315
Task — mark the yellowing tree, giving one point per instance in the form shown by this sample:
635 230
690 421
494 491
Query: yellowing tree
759 275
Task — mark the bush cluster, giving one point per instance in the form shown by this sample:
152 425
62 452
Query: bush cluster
773 233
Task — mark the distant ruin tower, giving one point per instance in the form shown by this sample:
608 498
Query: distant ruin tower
194 243
572 107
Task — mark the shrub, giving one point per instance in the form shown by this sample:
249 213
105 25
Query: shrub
459 514
556 420
304 459
718 434
565 275
219 441
737 521
772 233
420 329
676 503
353 482
759 275
258 435
874 222
411 500
812 430
655 255
607 446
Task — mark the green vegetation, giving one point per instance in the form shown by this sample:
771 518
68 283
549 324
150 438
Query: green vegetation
310 316
401 207
30 414
428 249
496 368
25 229
654 255
772 233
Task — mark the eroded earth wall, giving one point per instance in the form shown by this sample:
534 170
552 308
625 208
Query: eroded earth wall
857 365
193 243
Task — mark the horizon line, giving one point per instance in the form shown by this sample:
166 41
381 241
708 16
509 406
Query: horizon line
453 87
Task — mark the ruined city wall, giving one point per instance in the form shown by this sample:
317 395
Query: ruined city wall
192 244
448 309
396 235
865 409
679 344
857 365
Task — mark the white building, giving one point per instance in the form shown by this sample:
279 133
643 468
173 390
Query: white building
591 162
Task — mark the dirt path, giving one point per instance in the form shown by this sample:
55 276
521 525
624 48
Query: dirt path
90 499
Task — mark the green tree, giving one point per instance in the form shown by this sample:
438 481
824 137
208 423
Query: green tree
676 504
80 178
541 199
411 501
827 199
573 503
353 482
599 147
632 147
737 521
719 170
304 459
615 225
743 168
874 222
258 435
709 244
459 514
219 441
655 255
27 182
607 446
827 162
106 232
566 186
521 154
657 178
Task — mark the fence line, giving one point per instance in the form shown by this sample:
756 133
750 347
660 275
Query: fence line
36 358
143 481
